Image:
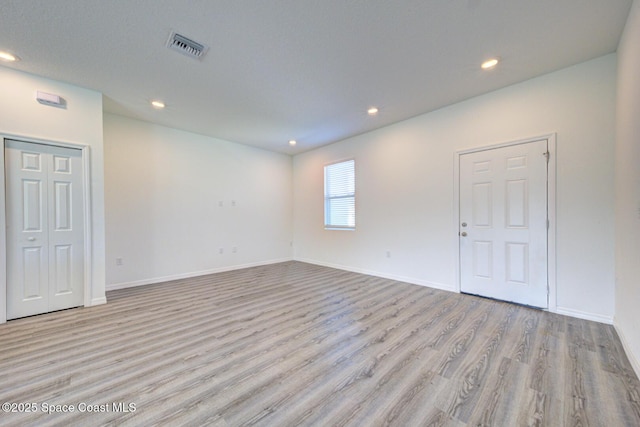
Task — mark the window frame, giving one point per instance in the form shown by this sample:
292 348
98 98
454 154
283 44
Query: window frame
328 198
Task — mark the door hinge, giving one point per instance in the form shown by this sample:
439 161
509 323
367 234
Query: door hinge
547 155
547 224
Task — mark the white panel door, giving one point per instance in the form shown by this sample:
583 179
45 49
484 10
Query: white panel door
45 228
503 223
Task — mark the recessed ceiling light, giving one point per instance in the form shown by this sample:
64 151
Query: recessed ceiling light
6 56
372 111
292 142
157 104
490 63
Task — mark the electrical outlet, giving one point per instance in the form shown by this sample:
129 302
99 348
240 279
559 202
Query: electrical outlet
221 251
388 254
220 203
119 261
234 249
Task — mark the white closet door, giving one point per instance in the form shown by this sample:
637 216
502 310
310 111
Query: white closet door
45 234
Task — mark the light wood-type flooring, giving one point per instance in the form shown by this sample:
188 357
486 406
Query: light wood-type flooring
295 344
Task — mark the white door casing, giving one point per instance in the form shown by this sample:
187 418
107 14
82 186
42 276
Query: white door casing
45 228
503 223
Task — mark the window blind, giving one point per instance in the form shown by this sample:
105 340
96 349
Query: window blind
340 195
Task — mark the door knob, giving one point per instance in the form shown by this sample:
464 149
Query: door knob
31 239
463 234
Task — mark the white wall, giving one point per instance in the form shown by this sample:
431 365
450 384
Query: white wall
627 162
80 123
405 186
163 193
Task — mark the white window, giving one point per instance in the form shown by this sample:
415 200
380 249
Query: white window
340 196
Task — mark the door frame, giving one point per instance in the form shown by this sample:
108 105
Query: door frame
551 209
86 193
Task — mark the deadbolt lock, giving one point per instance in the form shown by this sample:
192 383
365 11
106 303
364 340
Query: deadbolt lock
464 224
463 234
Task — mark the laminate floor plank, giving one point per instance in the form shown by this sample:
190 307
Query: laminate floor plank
293 349
295 344
365 363
194 328
256 358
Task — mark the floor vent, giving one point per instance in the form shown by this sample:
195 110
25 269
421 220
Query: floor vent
186 46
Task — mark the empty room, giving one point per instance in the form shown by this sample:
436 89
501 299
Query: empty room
322 213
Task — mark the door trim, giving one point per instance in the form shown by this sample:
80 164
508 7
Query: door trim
88 238
551 209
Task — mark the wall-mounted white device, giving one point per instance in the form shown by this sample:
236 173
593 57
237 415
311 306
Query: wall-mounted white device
50 99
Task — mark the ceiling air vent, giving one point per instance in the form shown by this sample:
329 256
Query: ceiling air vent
186 46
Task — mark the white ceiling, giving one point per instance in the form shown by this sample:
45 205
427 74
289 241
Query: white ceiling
300 69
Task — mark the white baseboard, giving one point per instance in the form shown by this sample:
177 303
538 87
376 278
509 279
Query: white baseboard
584 315
161 279
412 280
98 301
635 363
